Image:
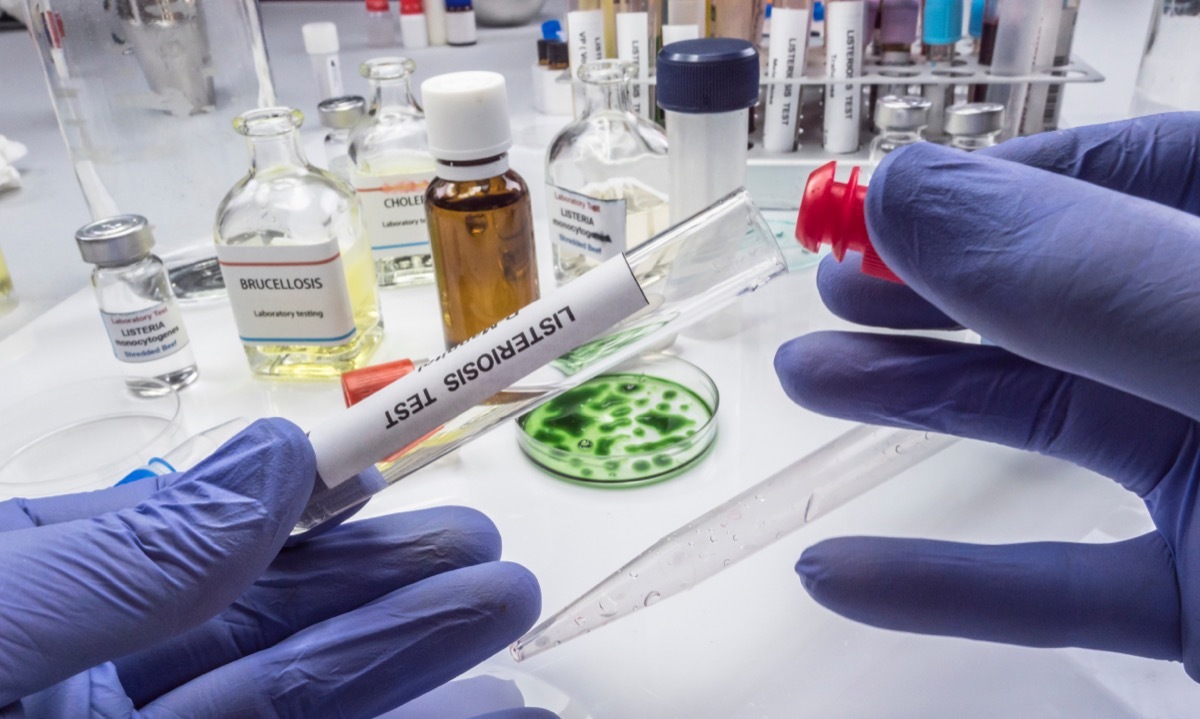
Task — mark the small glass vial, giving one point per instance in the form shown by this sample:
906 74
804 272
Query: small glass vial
900 119
974 125
392 168
607 176
460 22
339 115
137 305
381 26
295 258
480 217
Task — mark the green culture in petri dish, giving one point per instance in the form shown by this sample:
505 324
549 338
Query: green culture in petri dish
622 429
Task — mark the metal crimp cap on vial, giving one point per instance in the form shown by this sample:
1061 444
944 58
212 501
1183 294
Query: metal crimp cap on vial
902 112
115 240
341 113
974 118
707 75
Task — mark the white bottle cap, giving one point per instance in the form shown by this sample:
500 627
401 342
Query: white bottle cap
413 31
320 38
466 114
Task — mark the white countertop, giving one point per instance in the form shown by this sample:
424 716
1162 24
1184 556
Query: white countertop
747 644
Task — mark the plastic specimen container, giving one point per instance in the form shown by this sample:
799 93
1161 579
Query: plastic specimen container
642 422
85 435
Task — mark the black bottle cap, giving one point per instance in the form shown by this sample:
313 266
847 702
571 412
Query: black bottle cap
708 75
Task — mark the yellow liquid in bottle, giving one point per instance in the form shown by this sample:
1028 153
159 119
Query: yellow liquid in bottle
329 362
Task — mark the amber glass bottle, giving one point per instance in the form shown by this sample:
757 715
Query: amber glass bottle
479 214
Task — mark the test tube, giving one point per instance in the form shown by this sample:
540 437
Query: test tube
897 30
804 491
321 44
637 37
843 60
728 250
381 26
1062 55
1012 56
1033 120
940 32
785 60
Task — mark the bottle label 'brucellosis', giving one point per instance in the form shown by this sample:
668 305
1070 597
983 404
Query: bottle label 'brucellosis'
288 294
146 335
393 210
585 225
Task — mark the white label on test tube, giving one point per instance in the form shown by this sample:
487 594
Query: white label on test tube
677 33
789 40
585 29
633 42
420 402
843 60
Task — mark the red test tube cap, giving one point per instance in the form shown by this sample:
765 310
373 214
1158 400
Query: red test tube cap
359 384
833 213
378 6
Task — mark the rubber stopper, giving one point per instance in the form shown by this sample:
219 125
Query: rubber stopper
834 213
359 384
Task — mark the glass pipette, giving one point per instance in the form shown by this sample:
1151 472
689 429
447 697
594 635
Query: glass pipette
850 465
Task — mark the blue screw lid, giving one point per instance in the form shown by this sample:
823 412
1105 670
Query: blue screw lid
457 4
716 74
977 7
819 11
942 24
552 30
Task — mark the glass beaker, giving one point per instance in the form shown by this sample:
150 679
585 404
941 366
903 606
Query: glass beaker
1167 80
686 274
607 175
145 93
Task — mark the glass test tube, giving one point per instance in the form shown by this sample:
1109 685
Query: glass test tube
785 60
816 484
1012 56
685 274
1033 119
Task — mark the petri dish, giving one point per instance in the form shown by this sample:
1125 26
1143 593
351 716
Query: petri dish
85 435
642 422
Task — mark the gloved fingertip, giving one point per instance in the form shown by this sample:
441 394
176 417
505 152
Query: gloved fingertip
860 298
516 599
817 566
813 370
522 713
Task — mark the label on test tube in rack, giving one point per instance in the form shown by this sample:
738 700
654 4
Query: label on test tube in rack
421 401
633 41
585 225
843 60
146 335
785 60
393 210
285 294
585 30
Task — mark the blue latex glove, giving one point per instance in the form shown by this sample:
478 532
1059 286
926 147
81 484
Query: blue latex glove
176 597
1078 254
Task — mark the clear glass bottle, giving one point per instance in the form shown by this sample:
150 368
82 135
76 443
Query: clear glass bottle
296 259
137 305
339 115
607 176
480 217
899 119
974 125
392 168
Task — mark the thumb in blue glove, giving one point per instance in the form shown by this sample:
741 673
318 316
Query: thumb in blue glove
159 578
1075 252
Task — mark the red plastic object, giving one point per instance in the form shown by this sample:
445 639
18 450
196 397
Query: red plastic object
378 6
833 213
359 384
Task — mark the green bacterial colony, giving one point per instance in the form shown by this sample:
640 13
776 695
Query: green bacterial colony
619 428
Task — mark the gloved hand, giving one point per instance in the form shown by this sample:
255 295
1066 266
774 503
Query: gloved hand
175 597
1078 254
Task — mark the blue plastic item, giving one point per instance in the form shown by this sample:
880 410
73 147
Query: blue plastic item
708 75
942 22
